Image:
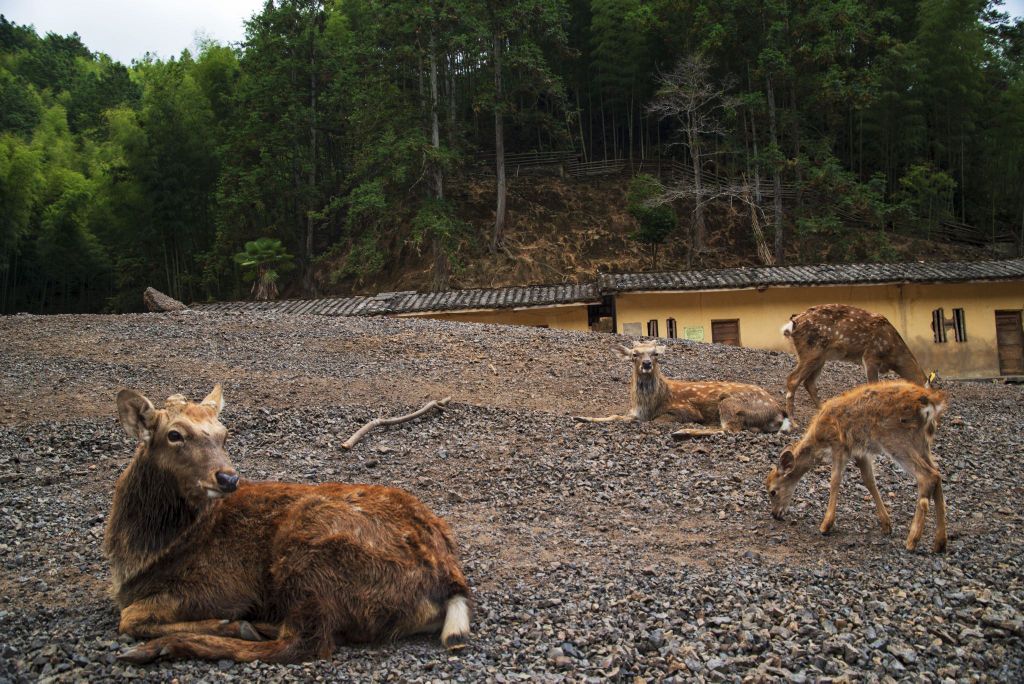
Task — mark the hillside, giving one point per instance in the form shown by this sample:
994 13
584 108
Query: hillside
603 551
568 230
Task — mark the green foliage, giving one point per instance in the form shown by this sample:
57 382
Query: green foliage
655 221
262 262
318 132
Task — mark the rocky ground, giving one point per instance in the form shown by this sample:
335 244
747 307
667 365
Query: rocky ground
595 551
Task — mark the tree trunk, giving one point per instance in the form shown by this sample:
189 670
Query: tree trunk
780 245
698 191
308 284
440 275
499 149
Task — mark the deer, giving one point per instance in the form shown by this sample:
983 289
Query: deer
839 332
734 406
895 417
207 565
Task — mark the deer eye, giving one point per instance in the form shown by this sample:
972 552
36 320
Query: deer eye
773 492
175 437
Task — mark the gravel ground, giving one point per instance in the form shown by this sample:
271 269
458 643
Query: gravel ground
595 551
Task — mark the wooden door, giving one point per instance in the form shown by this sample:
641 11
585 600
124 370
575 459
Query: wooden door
726 332
1010 342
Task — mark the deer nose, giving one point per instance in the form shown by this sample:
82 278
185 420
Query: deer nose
646 365
228 482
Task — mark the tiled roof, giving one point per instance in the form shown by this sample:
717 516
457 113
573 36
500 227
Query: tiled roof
390 303
422 302
821 274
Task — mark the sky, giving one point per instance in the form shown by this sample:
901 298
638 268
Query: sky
127 29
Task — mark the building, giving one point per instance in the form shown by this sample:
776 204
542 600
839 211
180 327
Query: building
962 319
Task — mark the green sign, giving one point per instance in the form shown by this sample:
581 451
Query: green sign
695 333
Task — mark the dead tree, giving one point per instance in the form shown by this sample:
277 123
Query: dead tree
696 103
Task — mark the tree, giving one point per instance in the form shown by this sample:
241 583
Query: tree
655 220
262 263
697 105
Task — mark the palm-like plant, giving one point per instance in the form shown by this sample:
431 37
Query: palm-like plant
262 262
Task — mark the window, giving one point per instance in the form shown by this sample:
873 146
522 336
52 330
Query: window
652 327
959 326
940 323
670 327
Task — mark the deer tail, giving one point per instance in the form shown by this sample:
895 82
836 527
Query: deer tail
787 330
456 623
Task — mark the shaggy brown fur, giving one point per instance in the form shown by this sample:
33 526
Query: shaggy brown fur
207 566
734 406
838 332
896 418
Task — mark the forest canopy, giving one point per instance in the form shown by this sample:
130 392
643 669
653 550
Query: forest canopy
338 128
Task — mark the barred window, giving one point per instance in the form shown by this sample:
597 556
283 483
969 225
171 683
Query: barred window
939 325
670 328
652 327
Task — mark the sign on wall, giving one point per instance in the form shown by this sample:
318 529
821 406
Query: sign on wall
632 329
695 333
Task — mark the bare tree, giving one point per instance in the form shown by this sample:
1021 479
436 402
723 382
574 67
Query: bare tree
689 96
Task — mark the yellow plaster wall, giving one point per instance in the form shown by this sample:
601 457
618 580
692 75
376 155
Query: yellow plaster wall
908 307
560 317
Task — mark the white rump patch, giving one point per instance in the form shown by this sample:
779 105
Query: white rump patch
928 413
456 619
787 329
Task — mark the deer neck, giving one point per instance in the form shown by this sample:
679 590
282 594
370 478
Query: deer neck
148 517
648 394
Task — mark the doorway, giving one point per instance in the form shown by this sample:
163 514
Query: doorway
1010 342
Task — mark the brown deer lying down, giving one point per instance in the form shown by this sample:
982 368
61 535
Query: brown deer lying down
838 332
896 418
735 406
207 565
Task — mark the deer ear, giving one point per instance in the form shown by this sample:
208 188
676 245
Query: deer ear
786 461
137 414
660 349
215 399
622 352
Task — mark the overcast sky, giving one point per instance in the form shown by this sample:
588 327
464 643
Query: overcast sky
127 29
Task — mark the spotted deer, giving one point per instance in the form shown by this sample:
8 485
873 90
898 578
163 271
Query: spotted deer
838 332
734 406
211 566
897 418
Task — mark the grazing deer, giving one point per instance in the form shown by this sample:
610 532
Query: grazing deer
838 332
208 565
735 406
897 418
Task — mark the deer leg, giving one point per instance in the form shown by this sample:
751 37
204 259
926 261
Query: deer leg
927 480
606 419
871 369
838 464
867 474
157 617
285 649
793 380
939 544
731 416
811 384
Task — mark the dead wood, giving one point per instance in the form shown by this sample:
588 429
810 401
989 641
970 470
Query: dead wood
438 404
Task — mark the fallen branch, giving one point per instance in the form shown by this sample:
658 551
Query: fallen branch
377 422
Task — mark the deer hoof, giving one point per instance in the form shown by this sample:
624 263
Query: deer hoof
939 546
143 653
248 632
